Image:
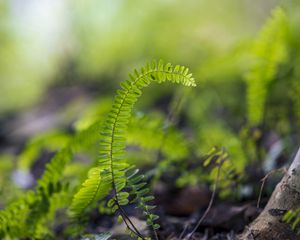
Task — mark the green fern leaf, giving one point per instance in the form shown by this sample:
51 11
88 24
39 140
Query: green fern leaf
269 51
112 164
16 214
293 218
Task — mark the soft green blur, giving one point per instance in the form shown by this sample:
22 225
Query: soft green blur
41 41
61 62
244 56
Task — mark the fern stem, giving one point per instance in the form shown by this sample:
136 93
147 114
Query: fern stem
112 142
155 233
209 205
264 179
112 165
124 215
125 219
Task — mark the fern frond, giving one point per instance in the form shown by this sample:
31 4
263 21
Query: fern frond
109 175
293 218
50 140
269 51
44 207
170 141
137 190
13 218
112 164
32 202
88 190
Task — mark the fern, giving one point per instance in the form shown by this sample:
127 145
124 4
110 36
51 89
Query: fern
48 140
192 172
33 203
44 207
13 218
169 141
205 168
110 174
136 184
293 218
269 51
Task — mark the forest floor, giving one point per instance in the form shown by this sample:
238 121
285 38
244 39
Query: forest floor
179 209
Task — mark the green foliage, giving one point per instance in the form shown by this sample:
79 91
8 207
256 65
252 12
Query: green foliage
269 51
39 203
110 173
13 218
293 218
194 171
205 169
28 216
136 185
51 141
220 135
35 208
168 140
8 189
84 176
96 111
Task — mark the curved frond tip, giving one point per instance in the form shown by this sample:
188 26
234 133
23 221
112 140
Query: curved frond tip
110 173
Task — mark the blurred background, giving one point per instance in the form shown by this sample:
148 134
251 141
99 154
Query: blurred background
61 62
61 43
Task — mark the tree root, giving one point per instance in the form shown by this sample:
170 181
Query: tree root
269 224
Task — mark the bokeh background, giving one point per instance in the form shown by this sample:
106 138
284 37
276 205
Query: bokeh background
46 44
61 62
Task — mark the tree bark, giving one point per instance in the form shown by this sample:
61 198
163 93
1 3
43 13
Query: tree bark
286 196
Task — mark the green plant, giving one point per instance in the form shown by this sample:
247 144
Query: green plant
14 218
110 174
293 218
113 173
268 52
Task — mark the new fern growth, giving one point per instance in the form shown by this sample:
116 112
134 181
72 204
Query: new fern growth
269 51
293 218
14 217
110 175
